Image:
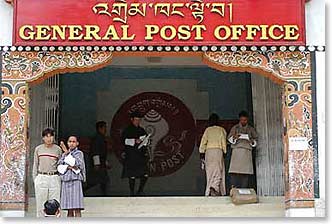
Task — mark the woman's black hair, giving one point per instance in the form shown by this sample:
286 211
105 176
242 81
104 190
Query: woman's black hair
213 119
75 136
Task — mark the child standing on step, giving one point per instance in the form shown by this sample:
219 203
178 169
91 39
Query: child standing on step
72 172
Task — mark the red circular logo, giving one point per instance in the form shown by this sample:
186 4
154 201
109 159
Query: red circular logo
170 123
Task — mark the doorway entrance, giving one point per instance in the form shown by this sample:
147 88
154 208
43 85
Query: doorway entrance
185 87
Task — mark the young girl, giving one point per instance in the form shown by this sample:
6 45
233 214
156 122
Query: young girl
72 172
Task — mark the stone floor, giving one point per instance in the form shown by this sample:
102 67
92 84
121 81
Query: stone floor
175 207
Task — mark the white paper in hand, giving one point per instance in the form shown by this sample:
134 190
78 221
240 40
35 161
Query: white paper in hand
96 160
244 136
62 169
130 141
70 160
145 141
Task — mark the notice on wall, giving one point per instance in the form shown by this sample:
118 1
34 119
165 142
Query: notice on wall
298 143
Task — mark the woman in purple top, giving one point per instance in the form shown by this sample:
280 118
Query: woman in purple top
72 172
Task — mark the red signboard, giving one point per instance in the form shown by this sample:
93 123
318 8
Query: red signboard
162 22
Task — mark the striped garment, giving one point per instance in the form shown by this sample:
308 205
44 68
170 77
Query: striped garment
71 189
45 159
79 162
71 195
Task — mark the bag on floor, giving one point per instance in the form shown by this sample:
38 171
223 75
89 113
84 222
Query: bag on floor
241 196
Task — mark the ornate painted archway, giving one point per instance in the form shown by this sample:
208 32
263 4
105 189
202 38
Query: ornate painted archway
288 67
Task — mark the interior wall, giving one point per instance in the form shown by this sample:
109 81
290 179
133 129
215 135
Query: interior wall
228 92
203 90
189 179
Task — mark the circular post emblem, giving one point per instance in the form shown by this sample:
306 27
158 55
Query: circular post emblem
170 123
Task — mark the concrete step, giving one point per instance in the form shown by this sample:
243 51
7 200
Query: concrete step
175 207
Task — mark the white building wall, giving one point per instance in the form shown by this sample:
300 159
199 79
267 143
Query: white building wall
315 22
320 85
6 24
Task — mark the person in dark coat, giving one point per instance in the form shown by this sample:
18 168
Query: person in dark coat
135 155
99 157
